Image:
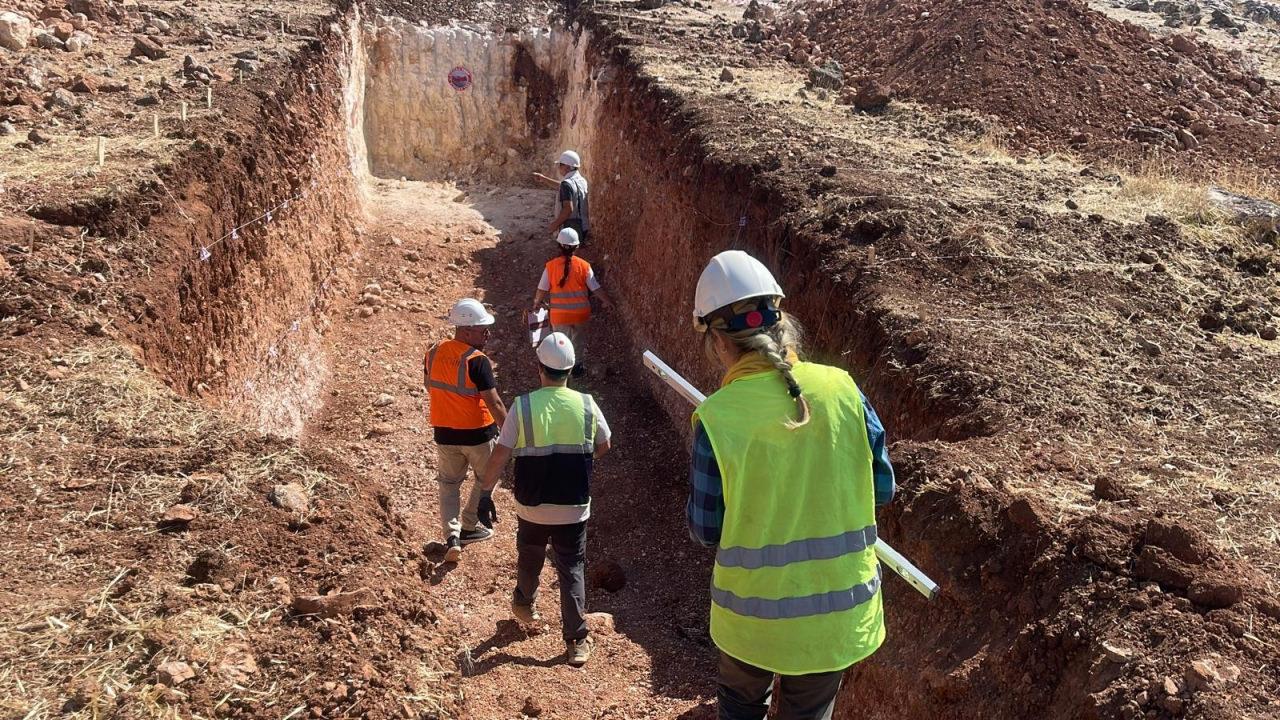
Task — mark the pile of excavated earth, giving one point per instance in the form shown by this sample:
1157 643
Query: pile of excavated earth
230 230
1057 74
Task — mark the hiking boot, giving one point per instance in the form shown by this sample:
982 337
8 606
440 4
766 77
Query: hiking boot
453 550
579 651
479 534
526 614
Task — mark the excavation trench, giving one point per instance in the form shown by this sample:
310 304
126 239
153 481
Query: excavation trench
371 165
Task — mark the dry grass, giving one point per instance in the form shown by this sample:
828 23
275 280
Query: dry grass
71 641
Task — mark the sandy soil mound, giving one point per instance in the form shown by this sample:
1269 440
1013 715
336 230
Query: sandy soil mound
1056 73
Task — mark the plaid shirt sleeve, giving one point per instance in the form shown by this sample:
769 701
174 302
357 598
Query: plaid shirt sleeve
706 498
882 468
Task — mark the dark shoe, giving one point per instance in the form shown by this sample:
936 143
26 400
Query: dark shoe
526 614
453 550
480 534
579 651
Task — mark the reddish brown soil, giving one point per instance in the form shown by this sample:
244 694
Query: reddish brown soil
1101 515
492 244
1056 73
1065 409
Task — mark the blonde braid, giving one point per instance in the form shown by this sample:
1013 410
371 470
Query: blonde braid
774 345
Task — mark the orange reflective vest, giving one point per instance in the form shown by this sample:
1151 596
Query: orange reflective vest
455 401
571 302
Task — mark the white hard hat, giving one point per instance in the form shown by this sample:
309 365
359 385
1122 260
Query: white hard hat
556 352
732 276
568 237
570 158
468 312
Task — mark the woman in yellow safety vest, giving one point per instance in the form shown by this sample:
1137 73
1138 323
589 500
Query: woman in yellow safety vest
789 465
567 284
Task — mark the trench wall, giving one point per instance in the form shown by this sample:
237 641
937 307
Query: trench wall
242 327
419 126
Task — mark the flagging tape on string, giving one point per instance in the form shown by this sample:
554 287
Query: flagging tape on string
265 218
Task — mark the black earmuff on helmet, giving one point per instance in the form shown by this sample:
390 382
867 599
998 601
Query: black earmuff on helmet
765 315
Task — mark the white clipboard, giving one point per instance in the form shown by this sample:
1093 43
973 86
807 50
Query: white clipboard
538 326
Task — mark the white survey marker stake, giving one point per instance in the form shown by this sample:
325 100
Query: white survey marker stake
887 555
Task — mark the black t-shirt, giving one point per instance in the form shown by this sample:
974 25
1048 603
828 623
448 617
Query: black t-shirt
480 370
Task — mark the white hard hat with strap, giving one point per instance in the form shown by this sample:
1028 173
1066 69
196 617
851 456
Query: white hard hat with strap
730 277
556 352
469 312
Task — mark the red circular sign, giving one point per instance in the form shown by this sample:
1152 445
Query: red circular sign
459 78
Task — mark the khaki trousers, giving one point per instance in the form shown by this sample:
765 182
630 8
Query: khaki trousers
454 461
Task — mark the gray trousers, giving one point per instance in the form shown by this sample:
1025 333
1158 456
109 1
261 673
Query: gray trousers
569 555
745 690
454 461
577 335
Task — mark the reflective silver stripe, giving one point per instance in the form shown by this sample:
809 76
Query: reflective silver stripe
462 367
463 391
570 306
575 293
458 389
825 548
588 422
525 410
528 448
552 450
797 607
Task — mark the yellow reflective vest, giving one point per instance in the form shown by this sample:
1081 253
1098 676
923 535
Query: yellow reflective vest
796 584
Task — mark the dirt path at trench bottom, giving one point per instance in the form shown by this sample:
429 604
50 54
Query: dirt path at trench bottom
427 250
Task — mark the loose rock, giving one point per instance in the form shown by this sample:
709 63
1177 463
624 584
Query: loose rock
49 41
872 96
61 98
179 516
381 430
726 75
332 605
290 496
84 85
1116 653
1208 673
383 400
147 47
237 664
174 673
15 31
1150 348
830 76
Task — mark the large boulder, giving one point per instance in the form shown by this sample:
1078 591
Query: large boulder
15 31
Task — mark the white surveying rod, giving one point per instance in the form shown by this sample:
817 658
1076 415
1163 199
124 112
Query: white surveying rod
887 555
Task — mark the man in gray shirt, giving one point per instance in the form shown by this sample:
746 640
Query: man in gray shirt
573 209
